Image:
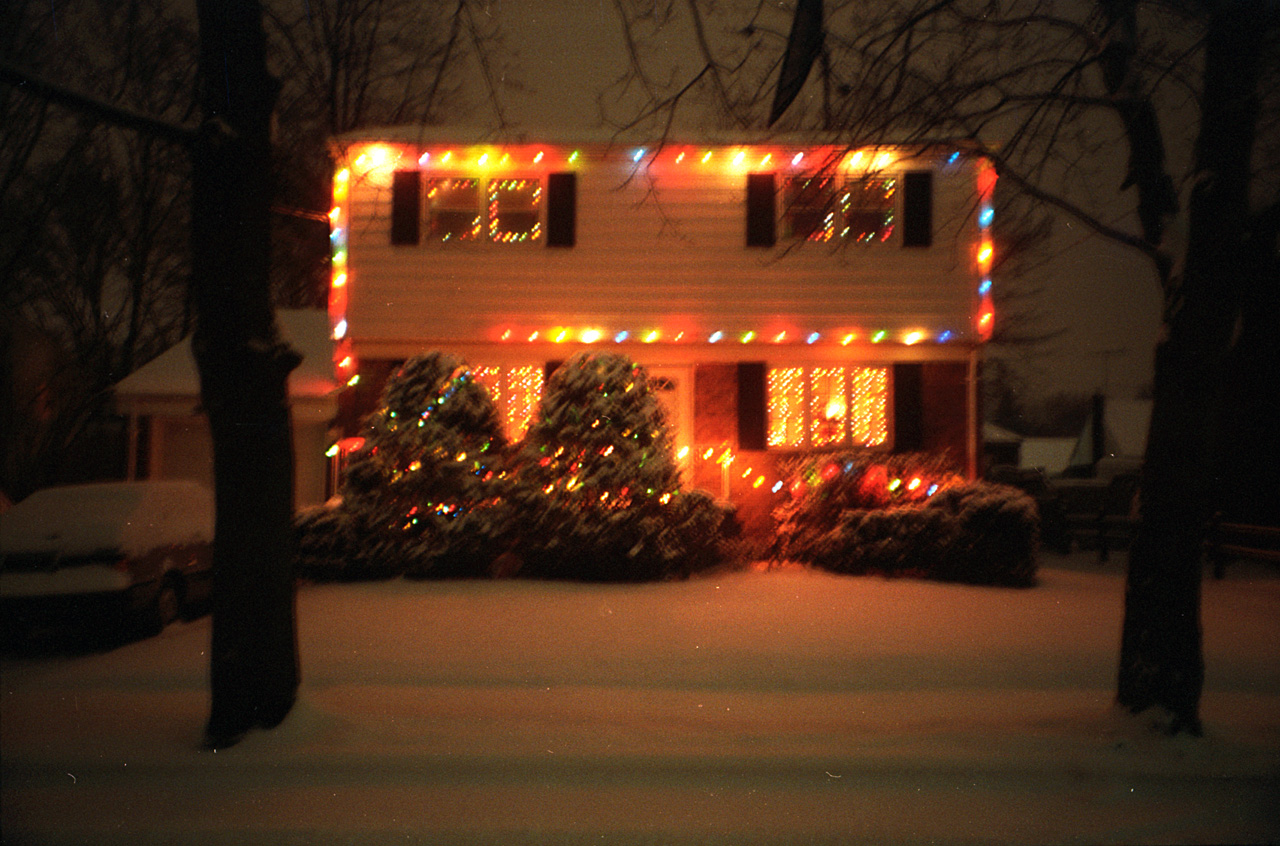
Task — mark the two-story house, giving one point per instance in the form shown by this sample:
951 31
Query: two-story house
786 296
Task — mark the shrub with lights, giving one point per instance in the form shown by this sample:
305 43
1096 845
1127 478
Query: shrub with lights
597 492
906 515
423 491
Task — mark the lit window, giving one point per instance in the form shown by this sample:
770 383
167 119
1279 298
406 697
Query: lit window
515 210
828 406
453 209
867 206
809 207
516 392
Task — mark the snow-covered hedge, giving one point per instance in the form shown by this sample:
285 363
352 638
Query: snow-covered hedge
907 516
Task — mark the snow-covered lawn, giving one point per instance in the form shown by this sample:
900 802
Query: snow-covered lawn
770 707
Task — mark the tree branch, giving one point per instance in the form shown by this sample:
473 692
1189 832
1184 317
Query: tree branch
108 112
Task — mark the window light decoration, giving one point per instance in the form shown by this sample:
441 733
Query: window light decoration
516 392
453 209
515 210
866 209
826 406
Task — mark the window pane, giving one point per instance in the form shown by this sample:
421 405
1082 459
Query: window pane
454 209
809 207
785 390
827 407
515 210
516 392
868 209
869 405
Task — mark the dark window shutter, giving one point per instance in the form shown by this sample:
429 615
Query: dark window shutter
917 208
908 407
751 405
762 229
406 207
562 209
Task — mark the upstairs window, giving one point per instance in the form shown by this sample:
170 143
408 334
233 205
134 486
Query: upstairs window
453 210
515 210
501 210
827 406
867 209
809 207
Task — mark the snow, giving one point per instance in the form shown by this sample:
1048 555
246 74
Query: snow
785 706
126 517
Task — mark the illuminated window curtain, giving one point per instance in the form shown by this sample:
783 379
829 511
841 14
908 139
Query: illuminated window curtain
867 206
453 209
809 207
827 406
515 210
869 405
515 391
828 409
785 403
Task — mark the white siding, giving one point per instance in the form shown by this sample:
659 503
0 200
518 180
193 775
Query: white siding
664 250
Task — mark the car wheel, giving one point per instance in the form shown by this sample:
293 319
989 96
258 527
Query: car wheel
166 607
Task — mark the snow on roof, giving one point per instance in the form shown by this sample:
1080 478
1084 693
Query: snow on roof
606 137
993 434
173 372
129 517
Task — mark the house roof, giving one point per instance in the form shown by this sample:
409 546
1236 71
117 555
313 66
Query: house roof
173 372
604 136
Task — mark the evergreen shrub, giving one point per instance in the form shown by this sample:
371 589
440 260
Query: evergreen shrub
596 492
906 515
422 496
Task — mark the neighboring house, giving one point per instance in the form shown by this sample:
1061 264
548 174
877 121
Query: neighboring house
786 296
169 434
1116 430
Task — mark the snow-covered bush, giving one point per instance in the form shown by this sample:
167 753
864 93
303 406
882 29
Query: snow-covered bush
329 547
421 495
597 492
906 515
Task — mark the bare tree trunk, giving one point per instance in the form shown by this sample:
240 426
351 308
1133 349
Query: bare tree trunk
1161 659
244 370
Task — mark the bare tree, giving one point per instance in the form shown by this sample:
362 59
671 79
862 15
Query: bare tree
1054 93
346 64
94 248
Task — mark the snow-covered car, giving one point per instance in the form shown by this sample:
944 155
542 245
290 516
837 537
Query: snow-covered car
127 556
